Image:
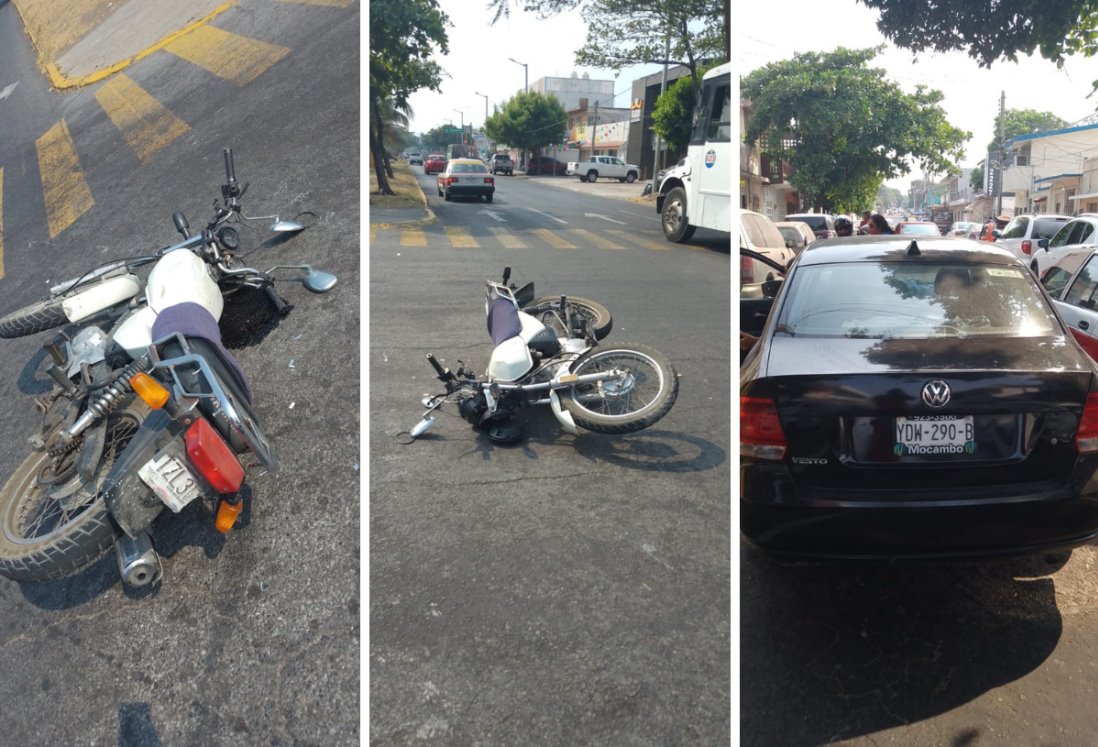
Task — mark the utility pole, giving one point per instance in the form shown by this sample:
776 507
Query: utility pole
486 145
1002 137
657 157
594 136
525 89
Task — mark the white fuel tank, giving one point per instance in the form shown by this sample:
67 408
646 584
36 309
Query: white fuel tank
510 360
182 277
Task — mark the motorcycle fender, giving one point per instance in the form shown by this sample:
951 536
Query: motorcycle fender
135 334
563 415
100 296
131 502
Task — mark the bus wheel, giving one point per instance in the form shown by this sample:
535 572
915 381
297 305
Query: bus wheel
675 226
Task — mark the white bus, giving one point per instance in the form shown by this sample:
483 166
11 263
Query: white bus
697 191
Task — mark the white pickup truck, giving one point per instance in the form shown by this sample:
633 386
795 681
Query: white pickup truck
606 167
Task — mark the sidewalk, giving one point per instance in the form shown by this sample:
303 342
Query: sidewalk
79 42
408 205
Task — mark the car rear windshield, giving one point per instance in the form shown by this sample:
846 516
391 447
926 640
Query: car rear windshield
914 300
469 168
816 222
1046 228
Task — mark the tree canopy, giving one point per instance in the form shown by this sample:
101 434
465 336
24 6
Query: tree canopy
528 121
403 34
844 128
630 32
991 31
1024 122
674 113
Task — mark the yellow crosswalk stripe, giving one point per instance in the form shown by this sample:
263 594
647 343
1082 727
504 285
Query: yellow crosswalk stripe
373 235
1 222
507 238
230 56
144 122
631 240
552 239
413 237
460 238
582 235
64 188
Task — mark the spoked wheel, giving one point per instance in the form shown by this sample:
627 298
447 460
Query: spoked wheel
643 391
38 317
52 522
548 312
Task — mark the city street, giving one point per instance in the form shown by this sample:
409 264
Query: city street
571 589
252 637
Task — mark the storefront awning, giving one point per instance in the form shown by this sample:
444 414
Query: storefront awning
1087 196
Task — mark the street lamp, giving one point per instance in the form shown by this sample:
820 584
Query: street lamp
485 96
526 89
462 125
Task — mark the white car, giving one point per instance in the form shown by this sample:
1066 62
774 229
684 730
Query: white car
1023 232
758 233
800 233
1077 232
1073 285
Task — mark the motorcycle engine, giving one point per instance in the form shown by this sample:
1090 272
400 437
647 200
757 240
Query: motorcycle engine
89 346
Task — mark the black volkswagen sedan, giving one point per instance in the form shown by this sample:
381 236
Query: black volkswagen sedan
915 399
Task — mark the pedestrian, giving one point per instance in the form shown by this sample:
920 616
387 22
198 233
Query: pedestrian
863 227
878 225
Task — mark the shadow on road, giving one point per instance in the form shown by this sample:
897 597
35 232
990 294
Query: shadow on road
836 652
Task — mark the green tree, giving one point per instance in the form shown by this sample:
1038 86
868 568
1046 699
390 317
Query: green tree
403 34
528 121
976 181
629 32
844 128
1025 122
990 31
674 113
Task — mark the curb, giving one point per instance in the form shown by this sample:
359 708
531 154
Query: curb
61 82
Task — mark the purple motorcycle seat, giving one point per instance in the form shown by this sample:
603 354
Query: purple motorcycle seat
193 321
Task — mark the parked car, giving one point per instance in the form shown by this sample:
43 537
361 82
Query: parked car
543 165
466 177
917 228
435 164
1022 233
502 162
1077 232
797 232
821 223
965 230
904 404
758 274
415 159
758 234
1072 282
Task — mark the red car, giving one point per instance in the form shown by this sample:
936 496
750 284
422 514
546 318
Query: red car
545 165
435 164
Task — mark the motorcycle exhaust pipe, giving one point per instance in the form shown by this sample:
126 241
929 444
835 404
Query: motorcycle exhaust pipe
138 563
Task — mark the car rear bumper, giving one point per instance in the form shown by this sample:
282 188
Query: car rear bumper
938 528
456 190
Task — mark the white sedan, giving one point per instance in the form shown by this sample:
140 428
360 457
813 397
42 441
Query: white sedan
466 176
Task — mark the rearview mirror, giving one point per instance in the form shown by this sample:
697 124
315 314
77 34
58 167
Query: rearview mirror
319 281
1043 244
770 288
286 226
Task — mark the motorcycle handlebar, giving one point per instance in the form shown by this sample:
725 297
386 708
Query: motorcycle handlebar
230 170
279 303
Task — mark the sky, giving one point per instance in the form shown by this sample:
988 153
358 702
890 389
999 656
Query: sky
775 30
478 62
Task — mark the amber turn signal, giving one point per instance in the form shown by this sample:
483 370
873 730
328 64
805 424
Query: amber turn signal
226 514
150 390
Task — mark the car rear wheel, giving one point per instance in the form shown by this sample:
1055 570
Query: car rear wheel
592 176
673 219
488 197
631 177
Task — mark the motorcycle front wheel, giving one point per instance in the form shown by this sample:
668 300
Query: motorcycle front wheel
644 393
29 320
547 311
50 525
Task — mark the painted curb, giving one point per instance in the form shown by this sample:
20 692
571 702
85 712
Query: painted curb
61 82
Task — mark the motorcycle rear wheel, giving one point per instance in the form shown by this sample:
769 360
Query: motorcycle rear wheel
42 537
547 311
29 320
646 394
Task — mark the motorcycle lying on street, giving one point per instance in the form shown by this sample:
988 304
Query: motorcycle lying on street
547 353
148 409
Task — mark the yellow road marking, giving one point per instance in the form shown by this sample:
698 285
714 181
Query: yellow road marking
1 222
413 237
66 192
460 238
373 234
229 56
631 239
144 122
552 239
507 238
582 235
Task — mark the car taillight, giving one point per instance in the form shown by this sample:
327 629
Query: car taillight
213 458
1086 436
1027 246
747 270
761 433
489 180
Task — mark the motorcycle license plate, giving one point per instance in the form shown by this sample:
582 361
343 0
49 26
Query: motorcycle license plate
170 479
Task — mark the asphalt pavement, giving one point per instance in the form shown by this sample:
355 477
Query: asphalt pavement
252 638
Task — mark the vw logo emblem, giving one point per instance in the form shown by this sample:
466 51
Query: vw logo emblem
936 393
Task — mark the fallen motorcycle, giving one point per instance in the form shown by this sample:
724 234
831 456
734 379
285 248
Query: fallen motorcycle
547 352
148 409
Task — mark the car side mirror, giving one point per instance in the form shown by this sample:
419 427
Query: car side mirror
1043 244
770 288
790 244
996 233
